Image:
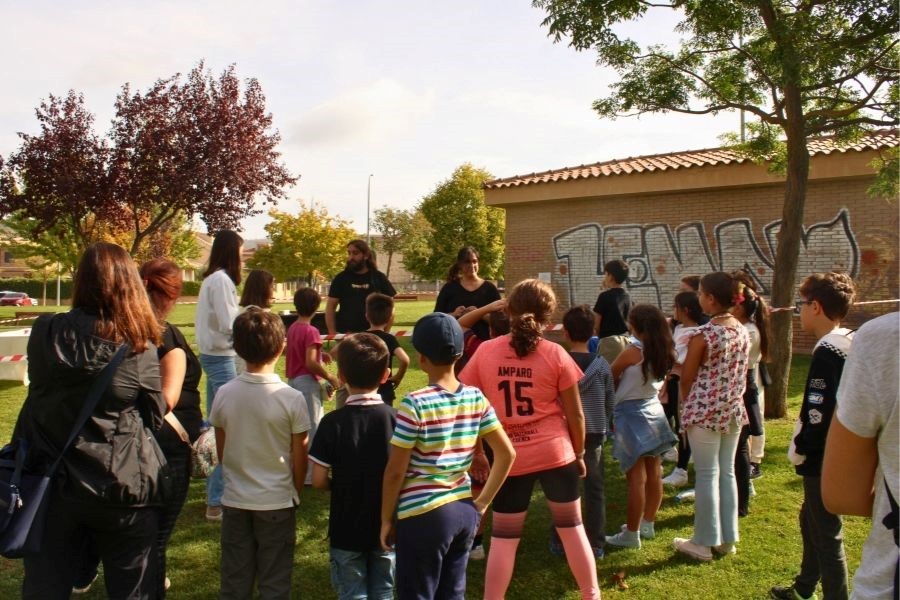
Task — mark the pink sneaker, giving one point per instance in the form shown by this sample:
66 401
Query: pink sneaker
695 551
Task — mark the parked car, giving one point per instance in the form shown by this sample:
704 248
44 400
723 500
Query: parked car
16 299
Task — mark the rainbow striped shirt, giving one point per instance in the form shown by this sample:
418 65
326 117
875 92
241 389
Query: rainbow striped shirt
441 427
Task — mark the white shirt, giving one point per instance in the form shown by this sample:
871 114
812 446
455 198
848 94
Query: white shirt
259 414
217 308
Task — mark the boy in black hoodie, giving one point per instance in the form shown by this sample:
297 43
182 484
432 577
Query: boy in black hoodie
824 301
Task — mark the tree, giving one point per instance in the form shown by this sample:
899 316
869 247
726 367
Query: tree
395 227
199 147
797 67
457 216
311 245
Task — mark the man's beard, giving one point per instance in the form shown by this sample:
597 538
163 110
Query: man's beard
356 267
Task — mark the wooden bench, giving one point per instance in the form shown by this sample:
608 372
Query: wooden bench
406 297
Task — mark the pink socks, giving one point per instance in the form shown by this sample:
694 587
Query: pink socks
567 520
505 535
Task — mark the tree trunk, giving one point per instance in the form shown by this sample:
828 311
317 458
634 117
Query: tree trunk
388 272
787 253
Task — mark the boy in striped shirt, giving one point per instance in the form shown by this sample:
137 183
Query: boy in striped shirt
426 484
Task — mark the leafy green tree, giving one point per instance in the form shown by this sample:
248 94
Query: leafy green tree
310 245
797 67
395 227
457 216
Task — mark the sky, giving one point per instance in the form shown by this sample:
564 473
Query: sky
405 91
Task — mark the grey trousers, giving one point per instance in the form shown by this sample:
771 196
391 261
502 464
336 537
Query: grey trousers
823 546
257 545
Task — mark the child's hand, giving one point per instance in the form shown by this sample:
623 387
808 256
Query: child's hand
582 468
326 358
480 468
497 305
387 536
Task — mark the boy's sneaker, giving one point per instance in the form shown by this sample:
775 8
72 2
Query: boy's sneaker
213 513
677 478
625 539
599 553
725 549
647 530
789 593
695 551
85 588
670 455
755 471
752 490
477 553
556 548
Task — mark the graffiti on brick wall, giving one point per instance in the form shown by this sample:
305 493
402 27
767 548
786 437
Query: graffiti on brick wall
658 256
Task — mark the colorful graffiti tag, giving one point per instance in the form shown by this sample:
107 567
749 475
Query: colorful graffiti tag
659 256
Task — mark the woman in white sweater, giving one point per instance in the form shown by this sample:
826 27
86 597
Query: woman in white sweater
217 307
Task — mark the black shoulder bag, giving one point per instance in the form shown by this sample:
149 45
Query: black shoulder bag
23 495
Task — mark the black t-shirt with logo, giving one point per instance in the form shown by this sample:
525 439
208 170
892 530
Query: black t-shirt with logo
613 306
351 289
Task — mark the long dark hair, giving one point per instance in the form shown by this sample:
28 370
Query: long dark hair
461 257
363 247
723 287
258 289
689 303
530 305
648 324
226 255
108 286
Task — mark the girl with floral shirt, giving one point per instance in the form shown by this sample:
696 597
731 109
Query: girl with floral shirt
712 385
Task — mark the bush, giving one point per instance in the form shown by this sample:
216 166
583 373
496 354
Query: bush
191 288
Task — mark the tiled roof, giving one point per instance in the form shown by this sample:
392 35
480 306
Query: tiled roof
875 140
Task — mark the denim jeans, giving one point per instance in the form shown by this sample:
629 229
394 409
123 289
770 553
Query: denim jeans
823 546
309 386
715 488
219 371
362 575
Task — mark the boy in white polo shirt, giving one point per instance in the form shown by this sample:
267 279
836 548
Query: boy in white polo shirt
261 437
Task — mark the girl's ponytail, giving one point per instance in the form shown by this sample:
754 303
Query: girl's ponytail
530 305
525 333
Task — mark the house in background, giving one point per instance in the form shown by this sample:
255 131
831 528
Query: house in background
692 212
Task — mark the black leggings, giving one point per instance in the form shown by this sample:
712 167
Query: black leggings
671 410
560 484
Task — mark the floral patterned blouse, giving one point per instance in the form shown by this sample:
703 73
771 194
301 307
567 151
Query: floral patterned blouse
716 397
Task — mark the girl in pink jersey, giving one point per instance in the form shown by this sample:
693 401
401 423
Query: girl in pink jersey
532 384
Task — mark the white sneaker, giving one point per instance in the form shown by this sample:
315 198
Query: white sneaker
625 539
686 546
477 553
677 478
725 549
85 588
670 455
752 489
647 530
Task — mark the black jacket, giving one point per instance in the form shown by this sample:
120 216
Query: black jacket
820 400
111 460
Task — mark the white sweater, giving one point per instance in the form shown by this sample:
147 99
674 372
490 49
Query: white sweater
216 309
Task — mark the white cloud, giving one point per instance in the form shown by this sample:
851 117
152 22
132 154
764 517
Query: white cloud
380 112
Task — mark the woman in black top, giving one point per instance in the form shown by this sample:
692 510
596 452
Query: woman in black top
466 290
180 371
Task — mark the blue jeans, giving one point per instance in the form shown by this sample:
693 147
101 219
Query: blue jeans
433 551
715 489
309 386
362 575
219 371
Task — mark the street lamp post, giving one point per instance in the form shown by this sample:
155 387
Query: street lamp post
368 208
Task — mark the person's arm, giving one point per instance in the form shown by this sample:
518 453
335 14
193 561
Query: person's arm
402 365
819 401
224 301
471 318
504 455
315 367
597 321
695 356
571 405
629 356
394 473
320 479
299 443
220 443
330 308
848 471
172 367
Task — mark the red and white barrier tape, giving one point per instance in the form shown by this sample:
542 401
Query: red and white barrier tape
13 358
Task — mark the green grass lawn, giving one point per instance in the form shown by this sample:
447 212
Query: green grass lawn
768 554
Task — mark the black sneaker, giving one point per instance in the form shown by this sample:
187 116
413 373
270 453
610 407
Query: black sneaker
755 471
788 593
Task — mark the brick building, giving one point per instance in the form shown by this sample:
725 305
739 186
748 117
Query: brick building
692 212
